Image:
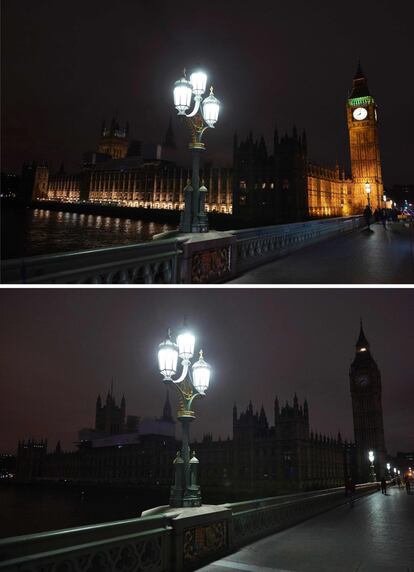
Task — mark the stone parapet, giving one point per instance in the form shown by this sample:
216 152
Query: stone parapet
166 539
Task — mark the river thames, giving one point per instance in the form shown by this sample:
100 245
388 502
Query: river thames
29 232
27 509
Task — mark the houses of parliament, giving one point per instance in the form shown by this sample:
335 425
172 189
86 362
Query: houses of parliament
265 456
265 187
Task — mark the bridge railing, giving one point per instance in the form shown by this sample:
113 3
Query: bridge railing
184 259
254 519
176 540
155 262
257 246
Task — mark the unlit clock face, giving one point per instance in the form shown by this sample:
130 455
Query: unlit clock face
363 380
360 113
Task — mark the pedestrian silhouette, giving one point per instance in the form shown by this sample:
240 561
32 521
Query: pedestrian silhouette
383 486
368 215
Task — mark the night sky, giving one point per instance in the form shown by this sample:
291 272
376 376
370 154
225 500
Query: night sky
68 65
60 349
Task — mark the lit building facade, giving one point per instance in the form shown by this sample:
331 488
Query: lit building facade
284 186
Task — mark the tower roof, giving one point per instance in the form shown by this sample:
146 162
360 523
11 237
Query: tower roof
362 340
360 84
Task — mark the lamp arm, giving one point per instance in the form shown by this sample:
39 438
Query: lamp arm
197 99
186 365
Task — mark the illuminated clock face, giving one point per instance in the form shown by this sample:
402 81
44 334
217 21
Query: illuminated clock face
360 113
362 380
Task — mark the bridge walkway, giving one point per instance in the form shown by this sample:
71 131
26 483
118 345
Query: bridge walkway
376 535
376 257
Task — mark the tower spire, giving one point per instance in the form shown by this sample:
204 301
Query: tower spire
360 84
359 73
362 341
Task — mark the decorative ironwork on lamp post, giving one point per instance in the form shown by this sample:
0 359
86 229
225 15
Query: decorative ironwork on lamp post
204 115
192 383
372 475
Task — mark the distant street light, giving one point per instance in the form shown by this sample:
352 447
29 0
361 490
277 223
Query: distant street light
204 115
388 471
192 383
372 476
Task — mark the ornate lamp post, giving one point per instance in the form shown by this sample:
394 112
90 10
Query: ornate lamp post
192 383
372 476
368 192
203 116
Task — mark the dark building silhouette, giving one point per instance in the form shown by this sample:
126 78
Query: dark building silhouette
169 141
30 463
110 418
263 457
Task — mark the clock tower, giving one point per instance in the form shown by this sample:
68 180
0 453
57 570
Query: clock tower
365 382
362 116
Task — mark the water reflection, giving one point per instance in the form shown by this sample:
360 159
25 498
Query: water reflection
32 232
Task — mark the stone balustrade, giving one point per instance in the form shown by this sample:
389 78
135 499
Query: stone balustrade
168 539
258 246
209 258
147 263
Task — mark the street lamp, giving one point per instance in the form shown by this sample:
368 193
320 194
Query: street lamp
204 115
388 471
192 383
372 476
368 192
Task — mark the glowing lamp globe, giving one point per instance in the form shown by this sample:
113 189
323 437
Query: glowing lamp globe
388 466
201 375
182 95
167 358
186 342
367 188
198 80
395 470
211 109
371 456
